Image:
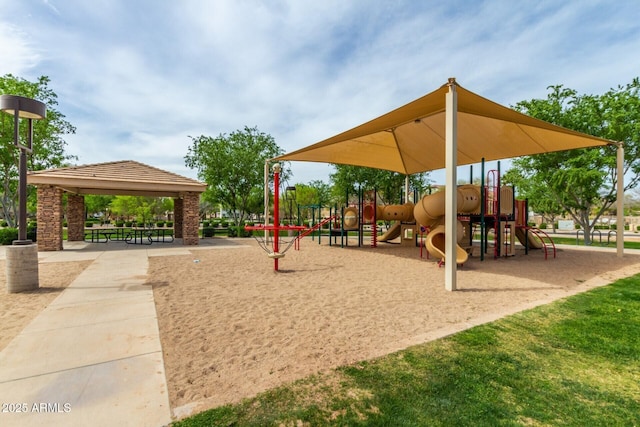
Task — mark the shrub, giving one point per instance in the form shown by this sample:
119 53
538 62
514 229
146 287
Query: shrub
8 235
208 232
119 223
170 224
543 226
224 224
128 223
206 224
160 224
238 232
4 223
88 224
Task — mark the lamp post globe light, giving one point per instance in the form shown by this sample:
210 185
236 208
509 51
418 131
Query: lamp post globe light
22 257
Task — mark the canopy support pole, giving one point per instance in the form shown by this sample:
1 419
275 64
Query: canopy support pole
620 202
266 198
451 199
406 189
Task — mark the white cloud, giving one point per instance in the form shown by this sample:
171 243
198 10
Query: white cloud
136 78
16 50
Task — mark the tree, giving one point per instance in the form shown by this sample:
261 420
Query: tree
540 200
389 185
123 207
144 209
48 143
97 204
583 182
315 193
233 167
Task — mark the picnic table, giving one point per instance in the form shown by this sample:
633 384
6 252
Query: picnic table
146 236
140 236
103 235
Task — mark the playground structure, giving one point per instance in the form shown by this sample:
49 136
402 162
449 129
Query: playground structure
362 217
488 207
429 213
491 207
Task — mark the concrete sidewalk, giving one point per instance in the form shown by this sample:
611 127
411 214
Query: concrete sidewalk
93 356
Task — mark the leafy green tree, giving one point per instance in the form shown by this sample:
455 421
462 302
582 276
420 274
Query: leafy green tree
389 185
315 193
321 192
123 207
97 204
233 167
48 139
539 198
583 182
144 209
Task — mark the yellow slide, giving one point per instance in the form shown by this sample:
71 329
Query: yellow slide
429 212
435 245
534 241
392 233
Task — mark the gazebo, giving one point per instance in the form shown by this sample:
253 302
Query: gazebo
125 178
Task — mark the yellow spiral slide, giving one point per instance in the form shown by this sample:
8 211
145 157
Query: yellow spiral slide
429 213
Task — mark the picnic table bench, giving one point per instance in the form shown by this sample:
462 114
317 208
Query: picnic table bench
146 236
140 236
103 235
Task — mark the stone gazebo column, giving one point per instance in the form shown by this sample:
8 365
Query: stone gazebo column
190 218
177 217
49 218
75 218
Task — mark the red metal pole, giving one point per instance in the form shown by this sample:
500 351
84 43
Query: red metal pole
276 214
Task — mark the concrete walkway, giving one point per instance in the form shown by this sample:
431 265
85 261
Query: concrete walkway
93 356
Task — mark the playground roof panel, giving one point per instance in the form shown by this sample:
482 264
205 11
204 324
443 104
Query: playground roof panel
411 139
123 178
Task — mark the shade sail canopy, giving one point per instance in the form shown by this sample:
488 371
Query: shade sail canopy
411 139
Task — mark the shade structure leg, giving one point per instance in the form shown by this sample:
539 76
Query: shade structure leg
451 209
620 202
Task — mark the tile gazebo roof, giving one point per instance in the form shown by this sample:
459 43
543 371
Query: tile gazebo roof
123 178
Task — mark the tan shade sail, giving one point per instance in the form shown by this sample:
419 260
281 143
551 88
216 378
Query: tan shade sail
411 139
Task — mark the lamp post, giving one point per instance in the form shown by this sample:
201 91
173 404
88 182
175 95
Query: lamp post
22 259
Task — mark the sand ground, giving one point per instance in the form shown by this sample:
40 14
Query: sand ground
231 327
17 310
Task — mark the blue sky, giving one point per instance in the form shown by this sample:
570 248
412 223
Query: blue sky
137 77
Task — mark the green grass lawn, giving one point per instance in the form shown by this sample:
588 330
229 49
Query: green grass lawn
572 241
575 362
596 242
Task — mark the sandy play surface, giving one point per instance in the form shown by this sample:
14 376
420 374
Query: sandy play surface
17 310
232 327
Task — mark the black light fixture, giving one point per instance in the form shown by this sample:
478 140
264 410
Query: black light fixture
23 108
